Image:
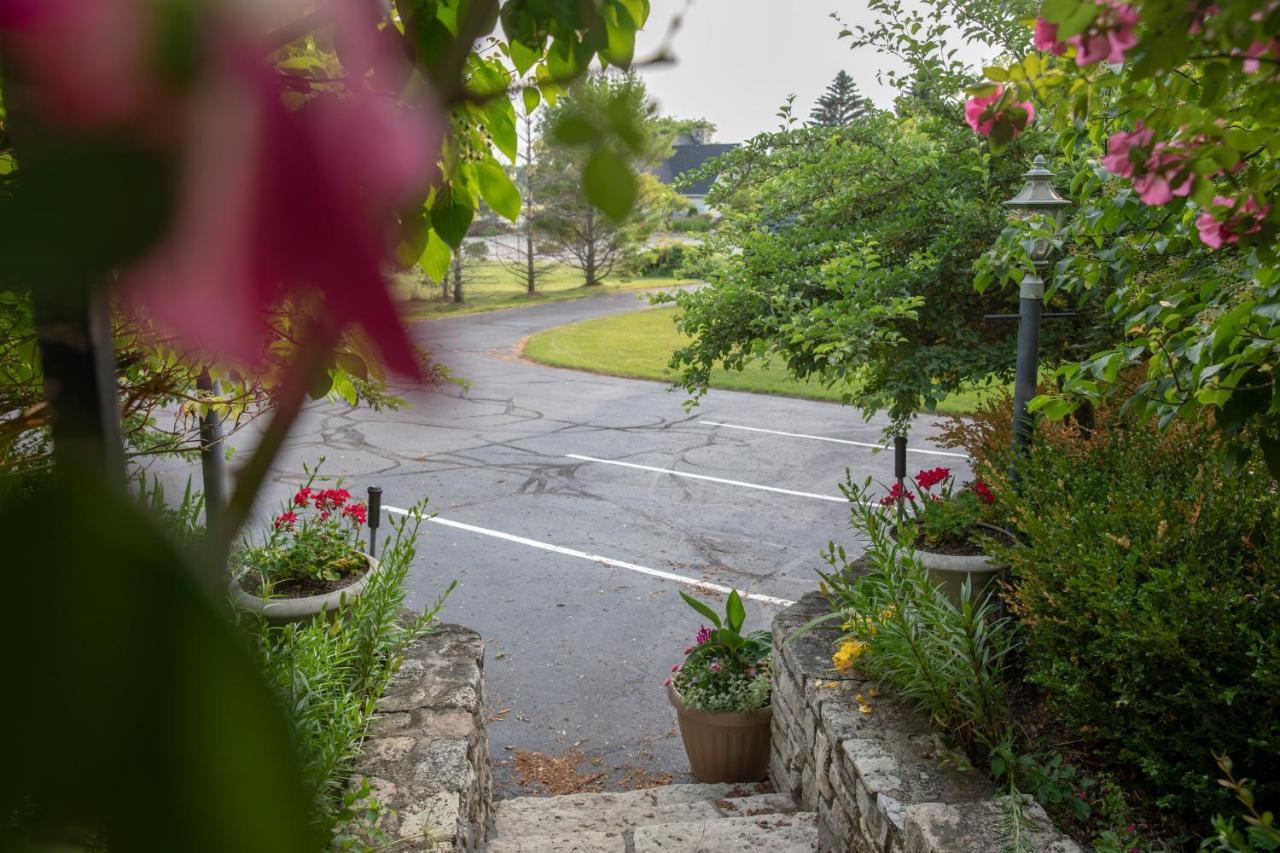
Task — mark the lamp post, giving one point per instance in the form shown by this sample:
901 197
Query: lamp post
1036 197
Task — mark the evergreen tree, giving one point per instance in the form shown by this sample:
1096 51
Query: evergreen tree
841 105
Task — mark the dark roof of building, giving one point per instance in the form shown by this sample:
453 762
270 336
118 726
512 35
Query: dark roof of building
688 157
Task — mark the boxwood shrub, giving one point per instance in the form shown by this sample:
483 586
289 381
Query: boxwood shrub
1148 588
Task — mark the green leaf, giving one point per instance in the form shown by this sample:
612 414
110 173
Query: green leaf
609 183
575 130
701 608
435 258
343 388
497 190
500 121
735 612
353 365
531 99
523 57
451 213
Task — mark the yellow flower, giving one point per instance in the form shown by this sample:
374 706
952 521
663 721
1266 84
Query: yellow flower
863 705
847 654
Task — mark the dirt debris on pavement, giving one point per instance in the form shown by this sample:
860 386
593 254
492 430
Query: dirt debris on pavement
553 775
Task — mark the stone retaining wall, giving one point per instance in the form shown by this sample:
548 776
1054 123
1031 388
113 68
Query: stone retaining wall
427 756
874 778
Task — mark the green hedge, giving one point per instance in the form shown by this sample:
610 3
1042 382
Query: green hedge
1149 591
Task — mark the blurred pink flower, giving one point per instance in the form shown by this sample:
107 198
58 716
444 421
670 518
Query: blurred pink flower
1168 175
1109 36
1200 12
87 60
1046 38
1258 51
272 203
1118 160
1245 219
980 113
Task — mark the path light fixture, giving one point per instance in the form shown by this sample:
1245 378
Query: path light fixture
1037 198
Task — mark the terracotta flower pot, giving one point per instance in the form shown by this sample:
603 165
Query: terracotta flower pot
724 746
282 611
948 572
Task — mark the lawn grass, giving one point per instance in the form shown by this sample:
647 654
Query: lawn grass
489 286
639 344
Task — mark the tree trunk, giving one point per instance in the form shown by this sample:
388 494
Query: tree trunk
531 275
457 275
589 268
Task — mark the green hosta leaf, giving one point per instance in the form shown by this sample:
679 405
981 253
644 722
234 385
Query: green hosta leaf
609 183
451 213
497 190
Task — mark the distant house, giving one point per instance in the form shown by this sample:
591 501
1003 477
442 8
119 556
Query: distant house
691 151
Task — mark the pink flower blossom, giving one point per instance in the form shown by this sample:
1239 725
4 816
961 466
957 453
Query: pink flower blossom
1200 12
666 682
714 666
675 667
1109 36
1121 146
982 114
1160 171
1245 218
1259 50
704 634
1046 38
271 202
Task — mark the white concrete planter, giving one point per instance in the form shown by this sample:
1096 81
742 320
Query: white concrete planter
948 572
281 611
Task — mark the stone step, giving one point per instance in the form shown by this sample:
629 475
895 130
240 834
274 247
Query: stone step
551 816
647 797
775 833
582 842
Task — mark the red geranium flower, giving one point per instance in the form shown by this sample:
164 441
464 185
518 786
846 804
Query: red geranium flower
286 519
896 492
932 477
357 512
983 491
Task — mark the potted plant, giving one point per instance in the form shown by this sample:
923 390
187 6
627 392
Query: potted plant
312 562
946 526
721 695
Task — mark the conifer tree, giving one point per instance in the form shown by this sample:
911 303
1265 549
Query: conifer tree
840 105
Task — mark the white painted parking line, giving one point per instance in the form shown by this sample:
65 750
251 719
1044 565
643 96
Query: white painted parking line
675 473
835 440
596 558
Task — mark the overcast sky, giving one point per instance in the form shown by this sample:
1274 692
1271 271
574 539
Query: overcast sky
737 60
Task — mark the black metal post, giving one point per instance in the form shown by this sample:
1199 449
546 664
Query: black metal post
900 471
375 518
1026 376
213 458
77 349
